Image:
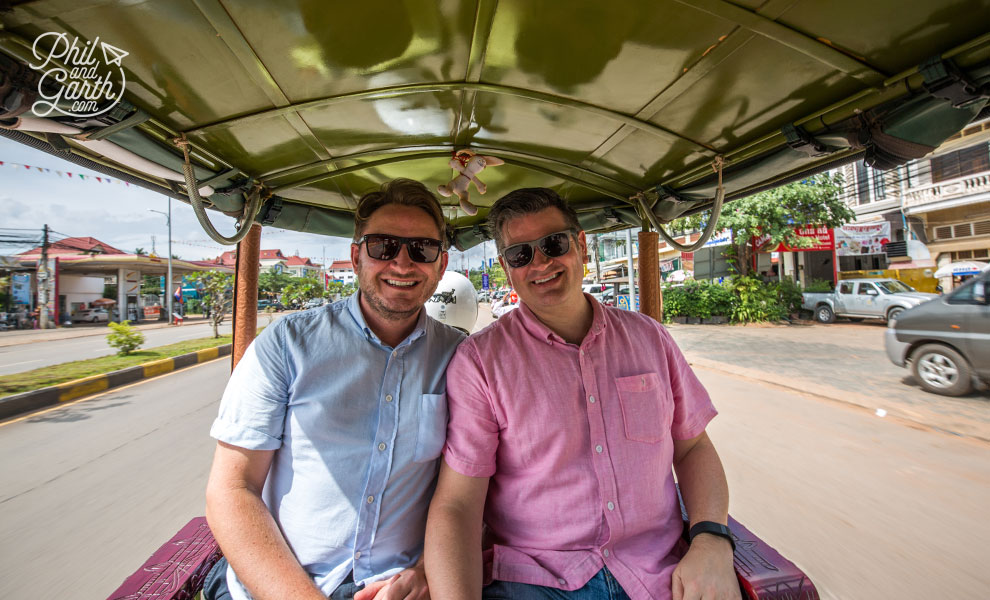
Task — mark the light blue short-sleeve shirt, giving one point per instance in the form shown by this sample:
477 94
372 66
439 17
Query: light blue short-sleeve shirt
357 427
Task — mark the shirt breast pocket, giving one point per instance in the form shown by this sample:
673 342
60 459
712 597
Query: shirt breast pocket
647 410
432 427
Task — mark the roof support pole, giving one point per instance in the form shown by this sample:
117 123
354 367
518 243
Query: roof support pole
651 297
246 293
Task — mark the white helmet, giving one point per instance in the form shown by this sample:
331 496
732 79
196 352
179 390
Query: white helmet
454 303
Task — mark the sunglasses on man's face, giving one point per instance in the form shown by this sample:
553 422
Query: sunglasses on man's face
554 245
381 246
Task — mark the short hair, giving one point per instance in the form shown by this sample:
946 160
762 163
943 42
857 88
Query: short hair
404 192
523 202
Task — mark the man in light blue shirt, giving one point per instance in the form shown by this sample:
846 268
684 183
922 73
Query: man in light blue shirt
331 425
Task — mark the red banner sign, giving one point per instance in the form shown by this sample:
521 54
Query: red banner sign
822 238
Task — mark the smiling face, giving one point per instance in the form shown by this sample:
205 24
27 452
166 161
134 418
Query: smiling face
395 290
548 286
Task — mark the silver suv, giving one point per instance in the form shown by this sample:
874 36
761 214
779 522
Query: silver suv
946 341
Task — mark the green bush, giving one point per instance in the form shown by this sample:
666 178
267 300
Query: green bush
756 301
742 299
790 296
819 286
124 337
701 299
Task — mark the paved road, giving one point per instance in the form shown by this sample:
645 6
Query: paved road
92 489
90 342
869 507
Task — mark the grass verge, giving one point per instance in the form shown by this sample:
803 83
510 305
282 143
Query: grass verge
17 383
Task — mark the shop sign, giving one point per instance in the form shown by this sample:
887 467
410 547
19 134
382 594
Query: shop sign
853 240
821 238
20 284
721 238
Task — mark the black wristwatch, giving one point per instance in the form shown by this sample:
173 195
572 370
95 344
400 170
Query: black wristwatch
713 528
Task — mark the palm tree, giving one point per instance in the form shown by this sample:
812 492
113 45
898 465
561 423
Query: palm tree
139 251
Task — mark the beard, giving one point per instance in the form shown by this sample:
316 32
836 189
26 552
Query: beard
377 304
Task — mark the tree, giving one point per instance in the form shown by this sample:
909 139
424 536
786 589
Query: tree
496 277
124 337
272 284
139 251
216 291
340 288
777 212
303 289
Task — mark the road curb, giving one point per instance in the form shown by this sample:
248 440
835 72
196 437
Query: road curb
17 404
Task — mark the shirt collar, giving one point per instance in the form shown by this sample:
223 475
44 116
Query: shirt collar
354 307
538 329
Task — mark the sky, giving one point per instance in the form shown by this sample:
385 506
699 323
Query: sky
120 215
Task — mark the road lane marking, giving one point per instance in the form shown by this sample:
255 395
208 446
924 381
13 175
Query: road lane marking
24 362
110 391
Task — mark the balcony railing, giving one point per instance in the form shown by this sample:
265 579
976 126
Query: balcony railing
946 190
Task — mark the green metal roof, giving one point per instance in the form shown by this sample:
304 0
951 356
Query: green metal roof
323 101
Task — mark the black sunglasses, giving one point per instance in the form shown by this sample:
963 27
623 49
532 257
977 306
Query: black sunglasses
552 246
381 246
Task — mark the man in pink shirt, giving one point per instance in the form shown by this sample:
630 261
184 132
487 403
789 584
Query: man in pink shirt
566 418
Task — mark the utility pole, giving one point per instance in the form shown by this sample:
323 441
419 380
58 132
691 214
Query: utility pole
598 263
168 278
43 277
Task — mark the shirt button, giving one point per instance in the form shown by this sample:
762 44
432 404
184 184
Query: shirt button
598 448
611 506
561 581
388 398
357 555
605 552
371 499
381 446
591 399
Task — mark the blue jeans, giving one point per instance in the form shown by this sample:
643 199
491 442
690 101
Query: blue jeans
215 585
602 586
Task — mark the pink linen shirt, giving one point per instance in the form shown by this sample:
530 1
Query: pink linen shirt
578 443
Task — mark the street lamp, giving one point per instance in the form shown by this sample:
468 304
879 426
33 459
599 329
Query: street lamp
168 280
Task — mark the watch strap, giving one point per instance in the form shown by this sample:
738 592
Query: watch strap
713 528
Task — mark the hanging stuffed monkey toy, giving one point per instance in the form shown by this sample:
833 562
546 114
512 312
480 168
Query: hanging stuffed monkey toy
468 165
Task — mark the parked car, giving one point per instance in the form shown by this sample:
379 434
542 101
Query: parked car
93 315
313 303
946 342
864 299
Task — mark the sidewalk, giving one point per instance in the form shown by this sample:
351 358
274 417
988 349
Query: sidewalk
843 362
14 337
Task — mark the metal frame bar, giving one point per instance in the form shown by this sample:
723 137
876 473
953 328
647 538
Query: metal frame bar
443 153
418 88
484 16
447 149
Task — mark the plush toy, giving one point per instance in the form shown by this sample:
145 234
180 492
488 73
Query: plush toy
468 165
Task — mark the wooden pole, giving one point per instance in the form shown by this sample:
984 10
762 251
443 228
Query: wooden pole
246 293
651 300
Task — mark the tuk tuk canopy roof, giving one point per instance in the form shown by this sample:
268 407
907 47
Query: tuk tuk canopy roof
621 107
